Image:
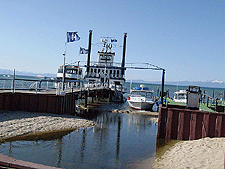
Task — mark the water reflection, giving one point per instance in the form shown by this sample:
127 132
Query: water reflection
83 145
59 147
117 141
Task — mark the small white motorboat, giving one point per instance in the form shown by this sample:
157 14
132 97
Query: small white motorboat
180 96
141 98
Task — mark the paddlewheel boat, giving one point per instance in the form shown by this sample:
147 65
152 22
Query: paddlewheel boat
105 71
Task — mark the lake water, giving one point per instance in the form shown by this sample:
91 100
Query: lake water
117 141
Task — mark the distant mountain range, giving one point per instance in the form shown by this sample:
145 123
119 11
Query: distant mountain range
206 83
24 73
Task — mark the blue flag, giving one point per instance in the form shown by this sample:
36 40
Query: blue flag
83 51
72 36
113 40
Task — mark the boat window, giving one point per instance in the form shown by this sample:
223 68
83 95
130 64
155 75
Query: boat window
69 71
110 71
134 93
95 70
142 93
181 96
80 72
60 70
148 94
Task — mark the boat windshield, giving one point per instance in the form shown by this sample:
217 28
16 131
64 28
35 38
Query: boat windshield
180 96
141 93
149 94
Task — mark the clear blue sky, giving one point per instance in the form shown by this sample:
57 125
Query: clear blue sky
186 38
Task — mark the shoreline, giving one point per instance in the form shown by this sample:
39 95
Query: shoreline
202 153
20 123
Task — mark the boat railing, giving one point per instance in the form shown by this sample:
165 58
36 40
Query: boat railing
26 84
56 86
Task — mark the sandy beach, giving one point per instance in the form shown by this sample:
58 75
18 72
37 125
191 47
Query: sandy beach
17 123
202 153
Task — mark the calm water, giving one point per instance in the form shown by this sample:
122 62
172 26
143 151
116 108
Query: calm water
117 141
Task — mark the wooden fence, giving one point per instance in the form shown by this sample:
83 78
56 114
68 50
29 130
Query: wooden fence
47 103
184 124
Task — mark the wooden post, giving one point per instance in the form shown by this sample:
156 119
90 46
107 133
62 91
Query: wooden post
218 129
216 105
14 77
92 97
180 126
205 125
162 93
86 97
204 96
161 132
110 96
207 104
193 126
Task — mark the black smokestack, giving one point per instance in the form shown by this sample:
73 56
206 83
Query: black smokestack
124 51
89 51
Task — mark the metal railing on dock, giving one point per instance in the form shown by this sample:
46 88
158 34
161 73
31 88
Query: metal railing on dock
50 85
213 103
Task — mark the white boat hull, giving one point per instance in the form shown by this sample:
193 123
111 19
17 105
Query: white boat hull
141 105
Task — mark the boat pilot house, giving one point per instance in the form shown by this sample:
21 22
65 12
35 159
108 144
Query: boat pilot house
105 69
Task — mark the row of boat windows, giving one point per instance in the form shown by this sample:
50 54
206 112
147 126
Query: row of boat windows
142 93
94 72
180 96
70 71
102 71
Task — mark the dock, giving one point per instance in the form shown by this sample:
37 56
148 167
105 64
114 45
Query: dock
176 122
49 101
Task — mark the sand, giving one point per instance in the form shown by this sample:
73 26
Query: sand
17 123
202 153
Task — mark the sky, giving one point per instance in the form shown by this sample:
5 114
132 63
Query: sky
184 37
